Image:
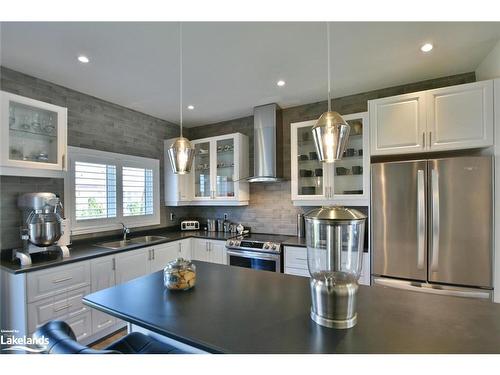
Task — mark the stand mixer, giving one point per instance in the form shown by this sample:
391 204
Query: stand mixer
44 229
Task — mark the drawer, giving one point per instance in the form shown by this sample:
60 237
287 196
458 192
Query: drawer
297 271
296 257
52 281
81 325
101 320
62 306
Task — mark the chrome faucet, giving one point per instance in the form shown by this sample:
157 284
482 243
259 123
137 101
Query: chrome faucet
125 231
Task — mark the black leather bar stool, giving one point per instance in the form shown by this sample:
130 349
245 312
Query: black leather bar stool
62 340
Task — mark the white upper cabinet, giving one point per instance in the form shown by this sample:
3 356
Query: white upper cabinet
344 182
460 116
33 136
217 176
397 124
449 118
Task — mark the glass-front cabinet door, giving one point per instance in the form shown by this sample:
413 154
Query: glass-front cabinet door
343 182
351 174
308 173
225 172
33 133
201 163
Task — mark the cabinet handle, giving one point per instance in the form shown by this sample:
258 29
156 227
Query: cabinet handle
180 247
104 324
63 307
153 253
423 140
430 139
57 281
113 267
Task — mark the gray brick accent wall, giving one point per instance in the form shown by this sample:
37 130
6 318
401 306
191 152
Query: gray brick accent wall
92 123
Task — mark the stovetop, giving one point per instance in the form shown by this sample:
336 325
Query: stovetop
262 237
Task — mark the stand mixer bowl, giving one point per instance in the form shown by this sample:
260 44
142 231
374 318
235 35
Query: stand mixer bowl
44 229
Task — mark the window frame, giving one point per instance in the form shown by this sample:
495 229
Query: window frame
119 160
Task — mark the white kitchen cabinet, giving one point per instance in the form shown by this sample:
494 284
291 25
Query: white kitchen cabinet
344 182
213 251
132 264
217 252
102 271
33 137
449 118
178 187
398 124
460 117
162 254
217 176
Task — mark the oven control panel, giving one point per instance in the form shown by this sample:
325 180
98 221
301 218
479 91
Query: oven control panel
269 246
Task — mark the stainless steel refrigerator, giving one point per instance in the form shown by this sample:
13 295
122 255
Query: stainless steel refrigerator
432 225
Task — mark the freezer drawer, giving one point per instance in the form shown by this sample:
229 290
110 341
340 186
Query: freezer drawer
399 222
460 221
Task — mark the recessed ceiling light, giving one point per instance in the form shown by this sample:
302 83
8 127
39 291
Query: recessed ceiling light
281 83
83 59
427 47
190 107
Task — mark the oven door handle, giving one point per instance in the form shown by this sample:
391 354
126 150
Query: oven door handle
251 254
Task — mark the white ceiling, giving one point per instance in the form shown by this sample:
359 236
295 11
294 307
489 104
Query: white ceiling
231 67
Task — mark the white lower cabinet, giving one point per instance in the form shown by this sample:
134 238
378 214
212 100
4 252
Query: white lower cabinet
213 251
296 263
132 264
102 271
56 293
81 325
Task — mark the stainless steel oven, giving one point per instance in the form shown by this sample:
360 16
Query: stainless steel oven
255 260
256 251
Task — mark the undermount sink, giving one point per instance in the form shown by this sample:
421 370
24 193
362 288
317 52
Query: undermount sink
147 239
123 244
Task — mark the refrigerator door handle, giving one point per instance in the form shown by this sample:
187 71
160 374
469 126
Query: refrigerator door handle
435 220
420 219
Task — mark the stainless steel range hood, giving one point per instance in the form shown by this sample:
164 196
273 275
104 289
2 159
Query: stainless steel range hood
267 144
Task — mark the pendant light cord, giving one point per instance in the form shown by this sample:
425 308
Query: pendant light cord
180 80
328 60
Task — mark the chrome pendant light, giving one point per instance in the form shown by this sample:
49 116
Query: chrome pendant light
181 151
331 131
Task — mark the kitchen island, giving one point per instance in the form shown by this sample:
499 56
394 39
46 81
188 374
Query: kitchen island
237 310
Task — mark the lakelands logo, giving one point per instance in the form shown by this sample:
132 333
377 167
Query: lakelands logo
10 342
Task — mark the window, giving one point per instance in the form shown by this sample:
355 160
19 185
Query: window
95 191
105 189
137 191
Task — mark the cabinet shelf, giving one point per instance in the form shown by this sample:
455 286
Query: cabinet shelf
23 131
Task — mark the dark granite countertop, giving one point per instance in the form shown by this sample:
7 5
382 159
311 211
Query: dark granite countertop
238 310
295 241
83 250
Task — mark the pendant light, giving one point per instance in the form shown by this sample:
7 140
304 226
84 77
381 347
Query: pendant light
331 131
181 151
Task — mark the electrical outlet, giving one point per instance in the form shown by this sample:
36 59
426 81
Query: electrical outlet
172 215
226 216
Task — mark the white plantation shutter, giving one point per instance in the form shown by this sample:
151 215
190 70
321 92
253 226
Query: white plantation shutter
137 191
106 189
95 191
